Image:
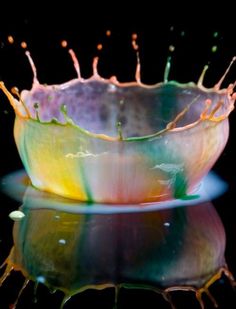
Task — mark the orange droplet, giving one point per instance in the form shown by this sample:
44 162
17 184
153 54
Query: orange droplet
64 43
99 46
134 36
10 39
23 44
135 46
108 33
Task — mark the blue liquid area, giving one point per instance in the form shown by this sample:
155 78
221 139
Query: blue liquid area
17 185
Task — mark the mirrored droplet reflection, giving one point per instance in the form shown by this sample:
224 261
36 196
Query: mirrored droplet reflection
160 251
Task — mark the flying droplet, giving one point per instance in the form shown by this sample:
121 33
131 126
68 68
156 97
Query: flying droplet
99 47
64 43
214 48
171 48
23 45
10 39
108 33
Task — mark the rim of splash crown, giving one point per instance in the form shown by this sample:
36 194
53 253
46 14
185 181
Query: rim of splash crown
206 115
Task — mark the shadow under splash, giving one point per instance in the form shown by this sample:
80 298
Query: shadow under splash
165 250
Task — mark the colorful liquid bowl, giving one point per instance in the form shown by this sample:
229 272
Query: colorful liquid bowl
97 140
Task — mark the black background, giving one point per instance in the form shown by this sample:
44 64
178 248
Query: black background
84 26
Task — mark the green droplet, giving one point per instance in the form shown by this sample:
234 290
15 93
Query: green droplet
214 49
215 34
182 33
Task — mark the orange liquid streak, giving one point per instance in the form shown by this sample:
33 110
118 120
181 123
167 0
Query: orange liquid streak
75 62
26 282
33 67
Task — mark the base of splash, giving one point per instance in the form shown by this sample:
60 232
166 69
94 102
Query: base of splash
17 184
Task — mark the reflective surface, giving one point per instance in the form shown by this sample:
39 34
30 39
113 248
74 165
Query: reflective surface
163 250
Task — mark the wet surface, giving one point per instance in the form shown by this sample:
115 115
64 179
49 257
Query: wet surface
159 256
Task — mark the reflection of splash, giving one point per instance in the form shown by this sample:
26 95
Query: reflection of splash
167 250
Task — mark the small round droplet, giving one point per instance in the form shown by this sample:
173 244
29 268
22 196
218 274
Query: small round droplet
10 39
171 48
16 215
214 48
108 33
23 45
215 34
99 47
64 43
